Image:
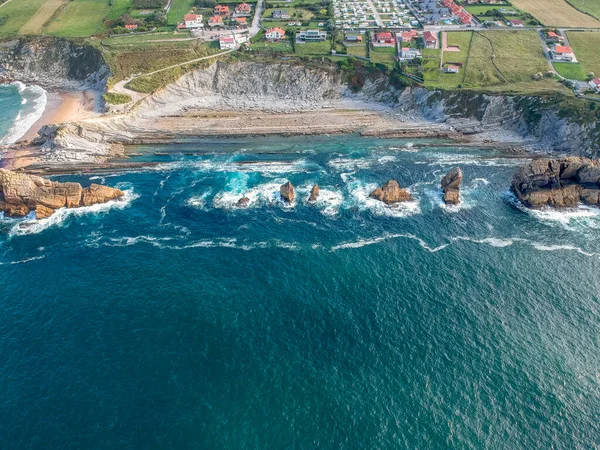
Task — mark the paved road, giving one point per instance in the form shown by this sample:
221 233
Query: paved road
255 28
376 14
546 52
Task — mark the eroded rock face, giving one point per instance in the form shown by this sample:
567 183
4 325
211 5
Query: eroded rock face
314 193
390 193
287 192
558 182
21 193
243 202
451 186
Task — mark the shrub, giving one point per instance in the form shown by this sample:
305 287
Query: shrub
114 98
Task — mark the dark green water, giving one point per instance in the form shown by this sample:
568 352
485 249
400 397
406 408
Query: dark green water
174 321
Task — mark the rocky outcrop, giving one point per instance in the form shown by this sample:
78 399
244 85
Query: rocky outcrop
451 186
314 194
52 63
390 193
287 192
243 202
21 193
558 182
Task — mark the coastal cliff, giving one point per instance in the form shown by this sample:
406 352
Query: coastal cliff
54 64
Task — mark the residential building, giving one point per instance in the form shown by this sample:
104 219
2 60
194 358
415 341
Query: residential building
384 39
226 42
408 36
243 9
595 84
554 37
241 21
562 53
451 69
515 23
281 14
429 39
310 36
408 54
192 21
353 38
215 21
221 10
275 35
131 26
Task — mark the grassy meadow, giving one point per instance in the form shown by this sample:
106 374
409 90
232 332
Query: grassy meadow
80 18
572 71
557 13
587 49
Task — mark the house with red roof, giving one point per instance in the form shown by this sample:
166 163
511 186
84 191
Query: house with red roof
595 84
408 36
221 10
562 53
215 21
429 39
243 9
553 37
275 35
192 21
241 21
226 42
131 26
516 23
384 39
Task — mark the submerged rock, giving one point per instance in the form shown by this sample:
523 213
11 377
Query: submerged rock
287 192
451 186
21 193
314 193
390 193
243 202
558 182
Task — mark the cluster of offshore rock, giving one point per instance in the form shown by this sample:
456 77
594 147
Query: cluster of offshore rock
558 183
451 186
21 193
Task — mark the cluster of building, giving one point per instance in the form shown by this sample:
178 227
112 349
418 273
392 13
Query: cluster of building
558 51
278 35
363 14
239 17
434 12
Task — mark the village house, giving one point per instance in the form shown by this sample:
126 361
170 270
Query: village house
595 84
353 38
408 36
221 10
515 23
429 39
215 21
241 21
562 53
451 69
227 42
554 37
243 9
131 26
281 14
192 21
384 39
275 35
310 36
408 54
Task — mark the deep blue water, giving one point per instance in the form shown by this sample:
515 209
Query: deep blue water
174 321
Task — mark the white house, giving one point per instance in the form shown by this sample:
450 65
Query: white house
408 54
193 21
226 42
275 34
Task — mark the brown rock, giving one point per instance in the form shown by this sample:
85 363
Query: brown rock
287 192
97 193
21 193
390 193
243 202
452 197
314 193
558 182
451 181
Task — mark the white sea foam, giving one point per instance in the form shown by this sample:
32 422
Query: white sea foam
266 194
451 159
359 198
31 226
328 202
365 242
23 261
25 120
265 168
199 201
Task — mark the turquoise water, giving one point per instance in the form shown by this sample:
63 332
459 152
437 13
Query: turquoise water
173 320
20 107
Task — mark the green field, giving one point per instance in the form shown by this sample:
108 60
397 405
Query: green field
431 66
17 14
313 48
179 9
81 18
383 55
357 50
119 8
571 71
518 55
591 7
587 49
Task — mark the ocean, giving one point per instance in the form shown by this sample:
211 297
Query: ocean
174 320
21 107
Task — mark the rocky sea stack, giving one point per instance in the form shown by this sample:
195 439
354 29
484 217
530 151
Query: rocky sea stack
287 192
451 186
314 194
390 193
243 202
21 193
558 182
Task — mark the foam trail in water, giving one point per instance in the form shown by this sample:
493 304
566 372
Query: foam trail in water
25 120
364 242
